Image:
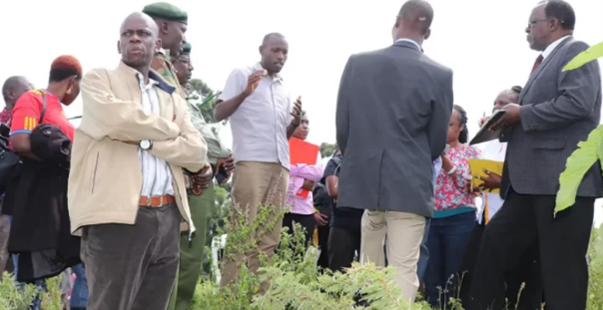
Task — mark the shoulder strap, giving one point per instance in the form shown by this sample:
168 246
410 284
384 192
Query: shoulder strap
43 107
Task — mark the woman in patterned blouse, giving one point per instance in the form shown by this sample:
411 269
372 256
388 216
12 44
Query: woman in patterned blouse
454 213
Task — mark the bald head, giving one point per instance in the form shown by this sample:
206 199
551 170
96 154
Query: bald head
139 41
13 88
139 18
416 15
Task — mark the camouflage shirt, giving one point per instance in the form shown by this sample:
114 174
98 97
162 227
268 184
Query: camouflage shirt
163 65
215 148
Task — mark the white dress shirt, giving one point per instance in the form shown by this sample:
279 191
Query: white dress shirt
549 49
156 174
259 125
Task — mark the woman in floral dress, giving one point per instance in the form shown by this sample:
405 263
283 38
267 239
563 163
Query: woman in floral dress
454 214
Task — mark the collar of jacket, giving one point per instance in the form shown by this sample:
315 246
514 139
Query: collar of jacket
165 53
161 83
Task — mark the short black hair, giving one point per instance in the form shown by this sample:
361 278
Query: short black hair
464 135
561 11
270 36
417 14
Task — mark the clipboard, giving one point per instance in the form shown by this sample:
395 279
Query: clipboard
485 135
302 152
477 167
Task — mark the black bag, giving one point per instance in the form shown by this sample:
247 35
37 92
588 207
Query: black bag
9 160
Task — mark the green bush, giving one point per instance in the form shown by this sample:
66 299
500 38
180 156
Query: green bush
297 283
11 298
295 280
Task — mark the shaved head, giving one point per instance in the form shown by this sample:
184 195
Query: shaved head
272 35
417 15
141 18
139 40
13 88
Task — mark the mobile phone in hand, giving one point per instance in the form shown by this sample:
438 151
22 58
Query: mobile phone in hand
222 176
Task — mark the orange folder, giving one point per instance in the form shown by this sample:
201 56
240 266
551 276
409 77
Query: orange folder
302 152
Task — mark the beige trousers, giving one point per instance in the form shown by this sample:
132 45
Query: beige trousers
404 235
255 184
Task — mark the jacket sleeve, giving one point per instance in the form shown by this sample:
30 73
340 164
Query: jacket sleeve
342 114
189 149
308 172
107 116
437 131
578 90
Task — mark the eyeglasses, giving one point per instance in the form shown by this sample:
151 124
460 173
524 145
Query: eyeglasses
534 22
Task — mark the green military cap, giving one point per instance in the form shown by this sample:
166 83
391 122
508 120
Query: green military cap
166 11
186 49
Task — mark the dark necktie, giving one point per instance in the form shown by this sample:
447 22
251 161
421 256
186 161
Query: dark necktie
537 62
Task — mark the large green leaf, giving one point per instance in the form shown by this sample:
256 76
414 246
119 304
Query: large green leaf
592 53
581 160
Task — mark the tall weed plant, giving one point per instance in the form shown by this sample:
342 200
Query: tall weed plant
295 282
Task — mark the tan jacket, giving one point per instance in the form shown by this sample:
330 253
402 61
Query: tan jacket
106 178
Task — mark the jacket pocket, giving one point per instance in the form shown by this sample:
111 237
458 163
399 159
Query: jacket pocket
548 144
94 172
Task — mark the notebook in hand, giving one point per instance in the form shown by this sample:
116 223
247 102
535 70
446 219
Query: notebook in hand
485 134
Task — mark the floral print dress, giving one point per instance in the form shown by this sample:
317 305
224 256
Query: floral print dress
453 193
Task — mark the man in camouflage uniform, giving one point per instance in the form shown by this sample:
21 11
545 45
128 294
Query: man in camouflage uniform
202 206
172 23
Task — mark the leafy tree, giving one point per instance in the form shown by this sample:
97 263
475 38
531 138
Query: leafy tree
205 98
327 149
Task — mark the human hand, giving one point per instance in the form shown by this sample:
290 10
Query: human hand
321 219
202 179
253 81
297 112
229 164
491 180
308 185
482 121
510 117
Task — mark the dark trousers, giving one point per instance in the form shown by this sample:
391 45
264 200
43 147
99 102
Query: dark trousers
562 243
343 244
446 243
323 243
133 267
306 221
526 272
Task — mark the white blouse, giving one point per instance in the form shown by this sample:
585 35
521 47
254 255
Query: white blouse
491 202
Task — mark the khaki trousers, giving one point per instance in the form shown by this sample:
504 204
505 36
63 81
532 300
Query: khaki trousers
255 184
404 235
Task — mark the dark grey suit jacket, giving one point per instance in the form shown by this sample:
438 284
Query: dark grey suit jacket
393 112
558 110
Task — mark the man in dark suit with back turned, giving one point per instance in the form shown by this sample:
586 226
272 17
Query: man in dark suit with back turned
556 110
393 111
